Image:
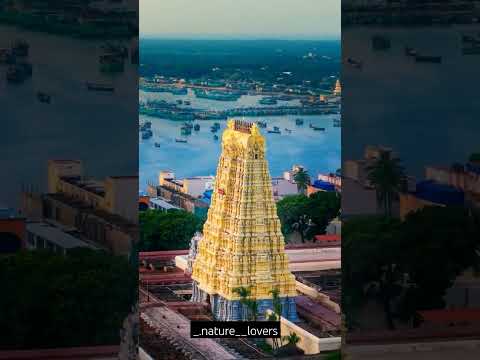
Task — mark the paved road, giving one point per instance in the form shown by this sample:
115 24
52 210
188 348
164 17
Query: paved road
177 327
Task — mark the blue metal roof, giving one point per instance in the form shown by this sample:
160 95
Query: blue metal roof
439 193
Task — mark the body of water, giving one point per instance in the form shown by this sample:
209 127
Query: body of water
318 151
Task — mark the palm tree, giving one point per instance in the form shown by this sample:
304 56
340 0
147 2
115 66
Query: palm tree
387 176
291 339
277 312
302 179
250 303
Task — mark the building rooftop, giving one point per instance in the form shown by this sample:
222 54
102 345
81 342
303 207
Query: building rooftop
110 218
163 203
439 193
94 186
55 235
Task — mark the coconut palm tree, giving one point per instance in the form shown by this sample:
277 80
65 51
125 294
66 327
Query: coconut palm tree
387 176
302 179
291 339
276 313
250 303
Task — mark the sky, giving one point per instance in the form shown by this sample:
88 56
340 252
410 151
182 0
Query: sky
287 19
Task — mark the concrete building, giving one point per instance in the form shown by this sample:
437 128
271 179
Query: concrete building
194 186
103 211
161 204
116 195
282 187
44 236
359 196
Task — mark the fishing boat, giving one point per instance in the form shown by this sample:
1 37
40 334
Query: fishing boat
275 130
380 42
185 130
428 59
261 124
354 63
299 121
472 50
43 97
99 87
215 137
268 101
186 102
467 39
179 102
196 127
15 75
409 51
178 140
147 134
20 48
216 95
157 144
316 128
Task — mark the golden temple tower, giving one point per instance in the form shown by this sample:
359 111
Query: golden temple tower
338 88
242 244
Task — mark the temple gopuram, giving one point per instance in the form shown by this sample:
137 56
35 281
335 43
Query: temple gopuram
242 244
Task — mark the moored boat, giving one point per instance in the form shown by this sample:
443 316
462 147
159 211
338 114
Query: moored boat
43 97
179 140
316 128
428 59
99 87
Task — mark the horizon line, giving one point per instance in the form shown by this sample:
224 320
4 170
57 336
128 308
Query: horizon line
297 37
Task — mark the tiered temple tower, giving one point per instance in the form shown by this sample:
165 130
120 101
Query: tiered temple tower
242 244
338 88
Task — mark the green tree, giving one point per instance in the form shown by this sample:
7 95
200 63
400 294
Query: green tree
308 215
170 230
303 226
248 302
53 300
407 266
302 179
439 243
370 246
291 339
276 313
387 176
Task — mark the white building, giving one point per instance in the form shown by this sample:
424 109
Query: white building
194 186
